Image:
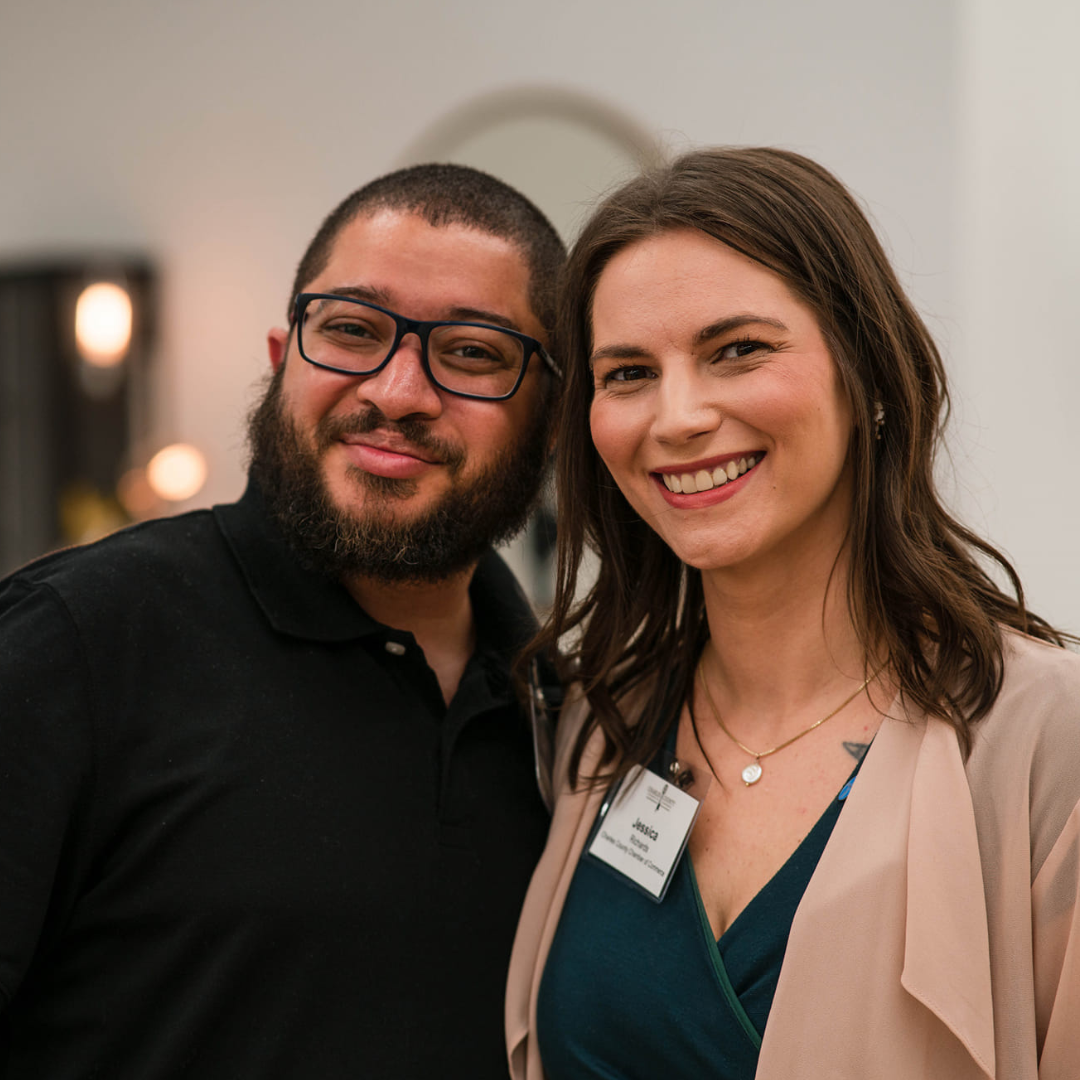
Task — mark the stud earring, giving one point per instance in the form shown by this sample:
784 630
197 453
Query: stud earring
879 419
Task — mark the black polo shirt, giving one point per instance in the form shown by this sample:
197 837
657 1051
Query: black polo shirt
241 835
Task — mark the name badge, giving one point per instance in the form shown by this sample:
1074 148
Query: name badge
643 829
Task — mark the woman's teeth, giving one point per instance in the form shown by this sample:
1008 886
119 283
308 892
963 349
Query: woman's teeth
688 483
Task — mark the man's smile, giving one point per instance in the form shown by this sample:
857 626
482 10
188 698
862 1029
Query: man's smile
390 455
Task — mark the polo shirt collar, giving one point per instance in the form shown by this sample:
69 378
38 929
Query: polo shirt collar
504 618
308 605
297 601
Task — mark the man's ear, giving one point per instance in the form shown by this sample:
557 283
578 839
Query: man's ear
277 344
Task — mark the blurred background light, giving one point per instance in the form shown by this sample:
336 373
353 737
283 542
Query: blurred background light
177 472
103 324
136 496
77 345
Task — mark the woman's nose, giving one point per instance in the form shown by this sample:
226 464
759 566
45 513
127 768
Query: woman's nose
687 406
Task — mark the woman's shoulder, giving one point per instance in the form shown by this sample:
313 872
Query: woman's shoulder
1039 699
572 715
1029 653
576 712
1040 683
1025 757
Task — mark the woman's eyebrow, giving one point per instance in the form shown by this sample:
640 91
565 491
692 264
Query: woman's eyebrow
618 352
735 322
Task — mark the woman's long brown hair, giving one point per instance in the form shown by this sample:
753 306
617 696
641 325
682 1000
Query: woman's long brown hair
918 588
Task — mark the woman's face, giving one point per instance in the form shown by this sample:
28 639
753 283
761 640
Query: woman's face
718 408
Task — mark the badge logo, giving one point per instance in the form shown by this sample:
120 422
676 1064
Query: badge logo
659 797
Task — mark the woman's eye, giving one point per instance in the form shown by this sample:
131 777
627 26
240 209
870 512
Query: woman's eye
627 374
740 350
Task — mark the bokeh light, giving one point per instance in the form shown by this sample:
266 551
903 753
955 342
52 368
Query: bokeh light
177 472
103 324
136 495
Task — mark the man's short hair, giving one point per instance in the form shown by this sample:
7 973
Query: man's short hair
452 195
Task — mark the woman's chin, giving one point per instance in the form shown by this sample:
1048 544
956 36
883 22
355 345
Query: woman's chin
710 557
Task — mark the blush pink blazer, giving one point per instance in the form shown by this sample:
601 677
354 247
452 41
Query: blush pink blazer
939 936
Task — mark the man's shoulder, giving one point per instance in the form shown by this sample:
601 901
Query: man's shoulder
142 559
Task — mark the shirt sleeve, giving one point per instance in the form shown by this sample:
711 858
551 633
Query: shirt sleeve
45 765
1056 942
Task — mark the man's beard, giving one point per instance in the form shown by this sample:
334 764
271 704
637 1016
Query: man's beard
446 538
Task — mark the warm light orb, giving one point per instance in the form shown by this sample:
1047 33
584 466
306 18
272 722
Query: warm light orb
135 494
177 472
103 324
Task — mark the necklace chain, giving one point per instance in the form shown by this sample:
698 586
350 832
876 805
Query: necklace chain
752 773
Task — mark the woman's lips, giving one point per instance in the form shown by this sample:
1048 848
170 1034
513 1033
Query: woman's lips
708 483
705 477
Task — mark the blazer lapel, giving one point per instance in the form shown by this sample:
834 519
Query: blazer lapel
947 950
887 966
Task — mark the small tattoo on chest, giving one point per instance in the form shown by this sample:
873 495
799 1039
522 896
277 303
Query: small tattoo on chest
857 749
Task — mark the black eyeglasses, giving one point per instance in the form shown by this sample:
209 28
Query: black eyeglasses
470 359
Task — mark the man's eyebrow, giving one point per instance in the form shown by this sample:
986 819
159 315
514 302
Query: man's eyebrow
721 326
458 314
468 314
361 292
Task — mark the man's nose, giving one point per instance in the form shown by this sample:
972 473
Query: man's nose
402 388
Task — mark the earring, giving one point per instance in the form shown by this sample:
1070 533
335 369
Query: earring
879 419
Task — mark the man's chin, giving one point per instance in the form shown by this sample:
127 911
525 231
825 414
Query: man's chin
356 491
363 517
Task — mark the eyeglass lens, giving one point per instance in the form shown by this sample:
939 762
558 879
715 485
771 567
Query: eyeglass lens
352 336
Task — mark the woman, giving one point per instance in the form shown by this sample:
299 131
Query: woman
883 746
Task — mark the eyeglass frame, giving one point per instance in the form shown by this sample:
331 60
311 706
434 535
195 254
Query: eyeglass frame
422 328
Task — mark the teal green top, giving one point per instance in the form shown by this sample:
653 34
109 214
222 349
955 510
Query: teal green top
633 989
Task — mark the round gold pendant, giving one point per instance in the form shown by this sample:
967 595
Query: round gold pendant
751 774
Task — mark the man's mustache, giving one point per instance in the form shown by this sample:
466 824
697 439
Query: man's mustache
415 432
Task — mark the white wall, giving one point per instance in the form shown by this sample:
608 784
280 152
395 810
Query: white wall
1018 287
215 136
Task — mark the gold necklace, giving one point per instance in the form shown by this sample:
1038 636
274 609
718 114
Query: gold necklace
752 773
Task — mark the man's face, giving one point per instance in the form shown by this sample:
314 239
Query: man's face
386 475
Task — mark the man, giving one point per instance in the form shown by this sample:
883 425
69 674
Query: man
268 805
